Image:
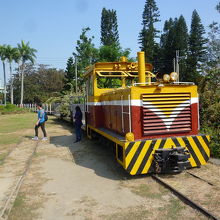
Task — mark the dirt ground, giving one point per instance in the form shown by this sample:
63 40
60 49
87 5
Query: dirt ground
82 180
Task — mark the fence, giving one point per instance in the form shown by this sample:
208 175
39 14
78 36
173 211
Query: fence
49 108
53 109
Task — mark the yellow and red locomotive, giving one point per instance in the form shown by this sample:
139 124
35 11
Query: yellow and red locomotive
154 125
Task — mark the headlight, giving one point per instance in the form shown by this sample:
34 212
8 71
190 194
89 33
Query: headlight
173 76
166 78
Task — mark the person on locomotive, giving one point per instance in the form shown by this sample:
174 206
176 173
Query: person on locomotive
78 124
40 123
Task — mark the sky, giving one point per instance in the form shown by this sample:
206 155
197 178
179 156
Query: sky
53 26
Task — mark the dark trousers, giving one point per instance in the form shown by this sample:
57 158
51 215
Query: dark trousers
42 125
78 132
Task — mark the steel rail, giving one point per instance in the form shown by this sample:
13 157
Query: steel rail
185 199
13 195
198 177
10 151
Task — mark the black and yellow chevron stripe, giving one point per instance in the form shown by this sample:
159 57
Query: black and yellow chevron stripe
139 155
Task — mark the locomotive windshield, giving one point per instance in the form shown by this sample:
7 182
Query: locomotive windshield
113 82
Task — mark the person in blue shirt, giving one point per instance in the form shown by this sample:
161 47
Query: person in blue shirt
40 123
78 124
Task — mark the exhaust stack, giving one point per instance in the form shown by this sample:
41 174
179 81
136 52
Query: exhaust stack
141 68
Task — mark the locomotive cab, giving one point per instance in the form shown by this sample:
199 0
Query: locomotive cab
149 122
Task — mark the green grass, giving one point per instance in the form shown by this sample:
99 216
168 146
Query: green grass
21 210
2 158
19 201
17 122
9 139
145 191
172 210
130 213
13 126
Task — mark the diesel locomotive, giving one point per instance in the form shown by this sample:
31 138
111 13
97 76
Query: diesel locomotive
153 123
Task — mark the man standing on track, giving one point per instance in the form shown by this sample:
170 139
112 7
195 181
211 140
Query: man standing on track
40 123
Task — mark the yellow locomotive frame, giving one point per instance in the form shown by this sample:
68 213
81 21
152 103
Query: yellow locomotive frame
136 156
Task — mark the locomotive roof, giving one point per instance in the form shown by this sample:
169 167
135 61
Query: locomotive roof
115 67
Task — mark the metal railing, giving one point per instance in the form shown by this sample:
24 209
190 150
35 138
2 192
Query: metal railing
128 113
48 108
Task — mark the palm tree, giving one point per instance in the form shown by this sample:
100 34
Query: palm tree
11 55
3 57
26 54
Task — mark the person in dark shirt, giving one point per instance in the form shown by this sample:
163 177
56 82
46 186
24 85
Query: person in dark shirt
78 124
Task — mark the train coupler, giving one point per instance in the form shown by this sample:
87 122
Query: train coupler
171 160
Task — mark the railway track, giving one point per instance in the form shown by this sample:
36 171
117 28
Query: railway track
12 196
185 198
11 150
198 177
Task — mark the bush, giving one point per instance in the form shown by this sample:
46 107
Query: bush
11 109
65 103
64 107
215 141
209 90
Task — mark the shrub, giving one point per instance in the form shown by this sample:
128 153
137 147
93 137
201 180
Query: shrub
209 90
11 109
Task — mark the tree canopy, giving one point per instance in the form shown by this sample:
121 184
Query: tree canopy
197 47
109 28
69 77
149 33
41 83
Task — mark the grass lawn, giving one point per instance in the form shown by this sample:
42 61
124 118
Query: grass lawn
14 126
17 122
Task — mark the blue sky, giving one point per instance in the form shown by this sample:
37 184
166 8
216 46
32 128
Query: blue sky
53 26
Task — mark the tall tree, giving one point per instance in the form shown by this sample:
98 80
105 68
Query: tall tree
181 45
3 58
213 46
86 54
69 77
109 28
11 55
166 44
27 54
174 38
112 53
110 49
149 33
197 48
213 55
218 7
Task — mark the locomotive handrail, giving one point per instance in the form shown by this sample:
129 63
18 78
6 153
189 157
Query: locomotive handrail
109 75
129 108
184 83
129 74
146 83
128 113
122 116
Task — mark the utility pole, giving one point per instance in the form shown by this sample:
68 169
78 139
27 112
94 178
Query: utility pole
174 65
177 64
76 73
4 83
